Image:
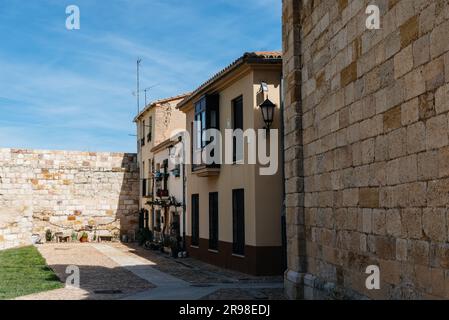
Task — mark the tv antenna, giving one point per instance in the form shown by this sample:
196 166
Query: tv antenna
145 92
139 61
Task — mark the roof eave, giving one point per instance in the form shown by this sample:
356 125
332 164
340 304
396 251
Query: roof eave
245 59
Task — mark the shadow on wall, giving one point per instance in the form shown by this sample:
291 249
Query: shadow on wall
128 201
67 192
97 197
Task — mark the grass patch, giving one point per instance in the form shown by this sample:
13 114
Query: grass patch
23 271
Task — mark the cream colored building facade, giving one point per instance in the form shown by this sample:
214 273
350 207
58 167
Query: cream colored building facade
156 123
166 209
239 187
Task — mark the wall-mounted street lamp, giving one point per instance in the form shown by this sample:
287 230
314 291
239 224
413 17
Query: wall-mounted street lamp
267 108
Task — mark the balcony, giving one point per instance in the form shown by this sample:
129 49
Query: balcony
162 194
204 170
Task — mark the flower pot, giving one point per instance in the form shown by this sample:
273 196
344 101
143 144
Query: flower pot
84 240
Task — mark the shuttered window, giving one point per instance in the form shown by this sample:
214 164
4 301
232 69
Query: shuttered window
195 220
238 222
237 123
213 220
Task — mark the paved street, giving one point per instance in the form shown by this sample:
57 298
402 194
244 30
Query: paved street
118 271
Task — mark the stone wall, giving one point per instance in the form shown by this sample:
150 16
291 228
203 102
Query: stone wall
66 191
367 148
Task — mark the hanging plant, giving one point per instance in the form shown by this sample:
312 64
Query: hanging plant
158 176
176 172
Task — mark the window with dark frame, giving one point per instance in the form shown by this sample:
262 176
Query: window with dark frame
238 221
142 141
237 123
144 181
213 220
150 129
206 117
195 220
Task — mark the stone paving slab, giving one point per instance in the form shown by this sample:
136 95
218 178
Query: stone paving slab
97 273
192 270
146 275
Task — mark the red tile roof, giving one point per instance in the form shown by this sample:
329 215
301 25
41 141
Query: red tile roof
248 57
160 101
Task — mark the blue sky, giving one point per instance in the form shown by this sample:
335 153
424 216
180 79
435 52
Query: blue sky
62 89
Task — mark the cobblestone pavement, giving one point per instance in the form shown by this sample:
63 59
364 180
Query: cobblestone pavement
247 294
100 277
192 270
127 271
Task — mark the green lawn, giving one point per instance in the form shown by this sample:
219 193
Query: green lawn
23 271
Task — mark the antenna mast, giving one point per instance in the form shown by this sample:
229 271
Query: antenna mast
139 61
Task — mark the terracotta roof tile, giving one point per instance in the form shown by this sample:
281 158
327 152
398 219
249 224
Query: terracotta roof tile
257 56
156 102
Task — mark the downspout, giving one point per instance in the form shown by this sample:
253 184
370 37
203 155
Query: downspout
183 195
283 214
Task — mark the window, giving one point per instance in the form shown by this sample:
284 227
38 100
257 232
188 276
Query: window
166 175
150 130
142 140
238 221
144 187
195 220
144 181
237 123
213 220
146 219
206 117
151 180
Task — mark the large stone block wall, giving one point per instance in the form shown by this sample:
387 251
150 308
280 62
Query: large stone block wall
66 191
367 148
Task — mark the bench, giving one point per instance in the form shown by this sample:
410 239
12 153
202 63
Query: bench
104 238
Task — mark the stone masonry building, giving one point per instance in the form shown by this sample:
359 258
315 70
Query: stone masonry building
366 148
66 192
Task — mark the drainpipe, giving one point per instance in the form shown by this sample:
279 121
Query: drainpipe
283 214
183 195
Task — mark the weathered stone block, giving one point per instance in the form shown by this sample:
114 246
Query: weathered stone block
437 132
442 99
392 119
403 62
418 252
409 112
349 74
421 51
428 165
434 224
426 106
369 197
397 143
409 31
438 40
393 223
416 138
414 83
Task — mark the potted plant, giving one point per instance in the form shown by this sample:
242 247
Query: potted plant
158 176
174 247
166 245
162 193
84 237
74 236
48 235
